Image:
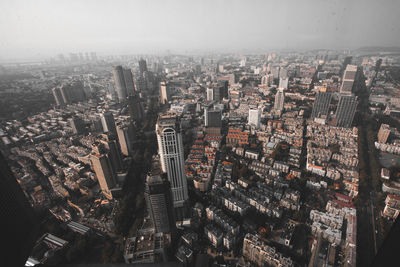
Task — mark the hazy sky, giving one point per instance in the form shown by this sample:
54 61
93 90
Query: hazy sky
47 27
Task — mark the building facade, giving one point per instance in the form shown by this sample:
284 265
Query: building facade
170 149
346 110
321 105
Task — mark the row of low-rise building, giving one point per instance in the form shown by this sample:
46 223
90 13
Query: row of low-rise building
258 252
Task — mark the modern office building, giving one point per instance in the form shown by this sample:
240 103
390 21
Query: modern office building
135 107
68 93
111 145
159 202
20 224
142 66
170 149
321 105
101 164
77 125
128 79
107 120
141 84
126 136
345 110
212 118
279 100
254 118
348 79
119 82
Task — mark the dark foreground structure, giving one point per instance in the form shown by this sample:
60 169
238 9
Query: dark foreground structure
19 223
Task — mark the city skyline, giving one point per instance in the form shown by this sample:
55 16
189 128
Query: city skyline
200 133
40 29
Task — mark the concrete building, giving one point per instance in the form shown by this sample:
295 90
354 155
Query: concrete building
164 93
101 164
107 120
279 100
119 82
254 118
345 110
321 105
159 201
58 96
283 82
142 66
257 251
126 137
170 149
113 150
128 79
135 107
77 125
383 134
212 118
210 94
69 93
348 79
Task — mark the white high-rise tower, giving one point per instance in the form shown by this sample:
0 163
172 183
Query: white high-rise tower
170 149
279 100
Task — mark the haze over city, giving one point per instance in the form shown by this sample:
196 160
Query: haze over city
43 28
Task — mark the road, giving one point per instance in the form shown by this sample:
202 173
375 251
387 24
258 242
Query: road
371 205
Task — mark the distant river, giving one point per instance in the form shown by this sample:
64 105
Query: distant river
387 160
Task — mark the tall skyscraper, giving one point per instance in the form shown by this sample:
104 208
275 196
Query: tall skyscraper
135 107
141 84
77 125
321 105
254 118
113 150
69 93
164 93
128 79
20 224
348 79
283 83
345 110
210 94
283 73
58 96
221 90
279 100
126 137
107 120
264 80
142 66
170 149
101 164
159 201
119 82
212 118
